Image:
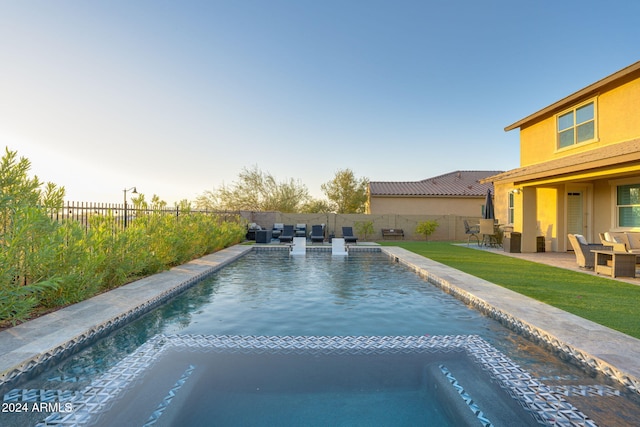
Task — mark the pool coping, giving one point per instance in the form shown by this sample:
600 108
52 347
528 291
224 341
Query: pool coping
39 343
603 349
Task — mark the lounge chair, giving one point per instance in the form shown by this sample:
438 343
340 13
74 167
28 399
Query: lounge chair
277 230
317 233
301 230
347 233
287 234
471 231
584 257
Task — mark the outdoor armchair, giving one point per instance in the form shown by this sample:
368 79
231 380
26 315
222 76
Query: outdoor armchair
584 257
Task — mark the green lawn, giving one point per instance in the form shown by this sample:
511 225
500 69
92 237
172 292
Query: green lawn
605 301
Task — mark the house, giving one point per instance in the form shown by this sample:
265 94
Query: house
579 166
460 193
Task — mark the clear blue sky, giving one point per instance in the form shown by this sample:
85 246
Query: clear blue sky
176 97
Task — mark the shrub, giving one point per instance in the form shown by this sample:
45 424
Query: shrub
49 264
427 228
364 228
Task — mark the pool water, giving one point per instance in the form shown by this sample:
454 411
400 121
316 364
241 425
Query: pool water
310 389
272 294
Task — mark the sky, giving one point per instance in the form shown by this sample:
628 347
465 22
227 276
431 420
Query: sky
177 97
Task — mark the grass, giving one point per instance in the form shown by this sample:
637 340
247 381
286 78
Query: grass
605 301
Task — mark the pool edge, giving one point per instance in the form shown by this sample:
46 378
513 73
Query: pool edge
605 350
41 342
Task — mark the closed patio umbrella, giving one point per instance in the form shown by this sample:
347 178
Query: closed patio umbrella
488 206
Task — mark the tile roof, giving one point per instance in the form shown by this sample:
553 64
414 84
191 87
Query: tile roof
458 183
602 157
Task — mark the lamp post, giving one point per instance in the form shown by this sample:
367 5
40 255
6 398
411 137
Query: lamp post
125 202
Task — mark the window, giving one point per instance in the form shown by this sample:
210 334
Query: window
511 208
628 205
577 125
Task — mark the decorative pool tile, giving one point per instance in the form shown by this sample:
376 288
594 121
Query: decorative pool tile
466 397
527 330
169 397
546 404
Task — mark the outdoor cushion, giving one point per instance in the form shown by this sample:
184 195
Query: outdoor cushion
621 238
580 238
634 240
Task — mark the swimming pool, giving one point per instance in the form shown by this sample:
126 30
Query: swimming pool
269 294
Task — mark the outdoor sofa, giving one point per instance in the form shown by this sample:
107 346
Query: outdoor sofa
620 241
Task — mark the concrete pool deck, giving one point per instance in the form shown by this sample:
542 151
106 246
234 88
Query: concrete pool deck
34 345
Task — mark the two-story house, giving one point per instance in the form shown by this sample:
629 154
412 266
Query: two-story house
579 165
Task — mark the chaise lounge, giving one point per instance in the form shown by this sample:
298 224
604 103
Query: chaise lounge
347 233
287 234
317 234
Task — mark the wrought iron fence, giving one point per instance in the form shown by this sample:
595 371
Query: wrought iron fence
122 214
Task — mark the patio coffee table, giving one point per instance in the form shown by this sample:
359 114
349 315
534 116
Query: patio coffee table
615 264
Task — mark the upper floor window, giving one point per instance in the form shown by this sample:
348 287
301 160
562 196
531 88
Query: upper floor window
577 125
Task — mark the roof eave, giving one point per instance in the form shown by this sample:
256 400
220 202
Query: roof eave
582 93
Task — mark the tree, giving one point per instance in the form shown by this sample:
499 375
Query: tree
256 191
346 193
208 201
316 206
157 203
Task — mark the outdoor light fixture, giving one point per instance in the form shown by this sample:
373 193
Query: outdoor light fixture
125 202
516 191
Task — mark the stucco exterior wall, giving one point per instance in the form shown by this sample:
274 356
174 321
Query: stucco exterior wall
603 216
547 214
616 109
468 206
501 202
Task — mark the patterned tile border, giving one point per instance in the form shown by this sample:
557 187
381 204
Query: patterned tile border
525 329
545 404
318 248
466 397
155 416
